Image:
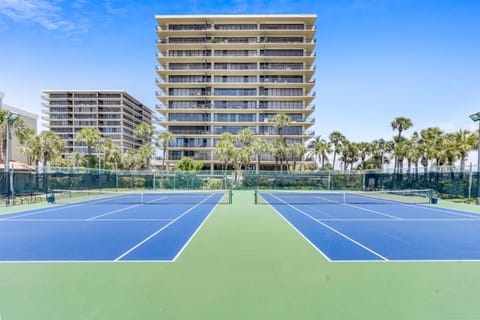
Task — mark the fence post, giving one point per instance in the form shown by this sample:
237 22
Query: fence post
363 180
12 189
470 183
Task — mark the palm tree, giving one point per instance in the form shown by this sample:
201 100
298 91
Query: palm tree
336 139
164 139
16 126
245 136
465 141
363 149
401 124
349 154
413 152
115 156
430 138
297 150
144 155
319 148
144 132
225 149
279 150
76 157
259 146
129 160
378 149
224 152
31 147
281 121
400 151
90 137
241 157
50 146
106 148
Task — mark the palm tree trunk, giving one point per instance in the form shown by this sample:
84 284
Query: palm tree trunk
163 158
258 164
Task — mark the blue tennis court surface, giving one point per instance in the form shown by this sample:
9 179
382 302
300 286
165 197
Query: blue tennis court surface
384 231
104 230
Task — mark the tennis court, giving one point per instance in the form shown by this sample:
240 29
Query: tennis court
106 226
388 226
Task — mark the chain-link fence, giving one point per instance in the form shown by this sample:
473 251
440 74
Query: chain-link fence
447 182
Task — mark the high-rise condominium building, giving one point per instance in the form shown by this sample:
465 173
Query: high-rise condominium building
115 113
224 73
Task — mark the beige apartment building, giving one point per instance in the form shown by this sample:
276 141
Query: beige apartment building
224 73
19 159
115 113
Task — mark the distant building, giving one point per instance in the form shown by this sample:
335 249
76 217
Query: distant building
30 121
115 113
225 73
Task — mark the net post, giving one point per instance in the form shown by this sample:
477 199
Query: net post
432 198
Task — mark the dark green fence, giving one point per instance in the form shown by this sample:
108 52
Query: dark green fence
448 183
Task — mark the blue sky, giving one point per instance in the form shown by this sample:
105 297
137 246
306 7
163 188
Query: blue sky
376 59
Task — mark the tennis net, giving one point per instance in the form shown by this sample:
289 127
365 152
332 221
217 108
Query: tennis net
290 197
139 197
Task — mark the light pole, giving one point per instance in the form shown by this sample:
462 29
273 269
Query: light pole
10 117
476 118
100 142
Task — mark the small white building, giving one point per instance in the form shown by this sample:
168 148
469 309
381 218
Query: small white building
30 121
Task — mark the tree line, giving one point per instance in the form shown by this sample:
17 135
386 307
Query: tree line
427 147
47 147
430 147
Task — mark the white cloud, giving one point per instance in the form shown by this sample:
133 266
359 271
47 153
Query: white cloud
67 18
45 13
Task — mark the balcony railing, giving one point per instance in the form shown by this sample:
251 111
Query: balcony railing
233 41
239 27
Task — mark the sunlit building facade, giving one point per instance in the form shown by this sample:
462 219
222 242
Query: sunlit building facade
224 73
115 113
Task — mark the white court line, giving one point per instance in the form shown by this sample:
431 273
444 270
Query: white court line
82 261
123 209
161 229
373 211
56 208
444 210
193 235
82 220
334 230
364 209
398 220
300 233
169 261
42 211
